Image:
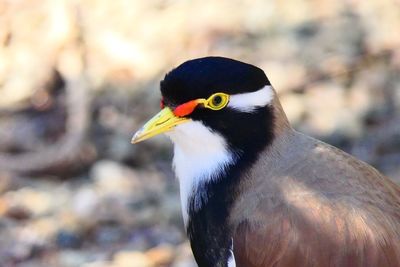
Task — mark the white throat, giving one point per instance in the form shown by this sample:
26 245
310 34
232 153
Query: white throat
199 156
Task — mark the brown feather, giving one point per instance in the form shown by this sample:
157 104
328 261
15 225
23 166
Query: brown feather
306 203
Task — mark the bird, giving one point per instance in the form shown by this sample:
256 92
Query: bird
257 193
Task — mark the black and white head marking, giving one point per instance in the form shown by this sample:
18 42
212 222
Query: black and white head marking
202 154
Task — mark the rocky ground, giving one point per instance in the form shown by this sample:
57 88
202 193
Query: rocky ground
77 78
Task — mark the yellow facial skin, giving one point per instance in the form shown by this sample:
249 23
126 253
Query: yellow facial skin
162 122
209 102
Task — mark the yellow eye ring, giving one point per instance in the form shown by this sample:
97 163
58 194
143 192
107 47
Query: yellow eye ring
217 101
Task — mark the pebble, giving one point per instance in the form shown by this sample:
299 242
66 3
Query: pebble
68 239
106 235
294 108
131 259
162 255
85 202
72 258
325 106
112 178
36 202
184 256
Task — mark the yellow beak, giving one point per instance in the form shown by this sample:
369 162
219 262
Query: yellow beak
162 122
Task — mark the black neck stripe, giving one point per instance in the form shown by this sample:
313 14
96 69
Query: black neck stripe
208 228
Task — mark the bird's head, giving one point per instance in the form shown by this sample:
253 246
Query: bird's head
214 103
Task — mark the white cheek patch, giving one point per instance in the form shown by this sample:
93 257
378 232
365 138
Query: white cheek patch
248 102
199 154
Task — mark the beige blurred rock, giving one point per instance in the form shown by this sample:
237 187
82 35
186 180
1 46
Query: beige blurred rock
3 206
131 259
98 264
114 179
285 75
44 228
382 20
70 62
36 37
184 256
161 255
37 202
85 202
294 107
359 98
111 177
68 219
74 258
334 115
295 12
325 106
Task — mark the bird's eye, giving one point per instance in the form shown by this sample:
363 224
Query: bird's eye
217 101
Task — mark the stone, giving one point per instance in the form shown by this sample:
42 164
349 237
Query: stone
85 202
35 201
131 259
184 256
161 255
113 178
294 107
68 239
72 258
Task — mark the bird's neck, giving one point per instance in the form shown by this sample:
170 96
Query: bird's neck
200 157
210 170
207 183
209 174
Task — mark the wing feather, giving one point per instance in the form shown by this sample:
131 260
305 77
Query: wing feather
324 209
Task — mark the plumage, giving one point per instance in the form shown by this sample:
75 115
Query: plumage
316 206
257 193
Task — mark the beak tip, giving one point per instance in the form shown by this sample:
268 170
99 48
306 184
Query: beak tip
162 122
135 138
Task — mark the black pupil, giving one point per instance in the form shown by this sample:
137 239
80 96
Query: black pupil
217 100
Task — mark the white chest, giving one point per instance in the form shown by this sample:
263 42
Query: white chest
199 156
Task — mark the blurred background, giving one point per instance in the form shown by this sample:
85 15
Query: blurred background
77 78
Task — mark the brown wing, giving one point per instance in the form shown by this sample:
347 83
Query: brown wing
325 209
316 237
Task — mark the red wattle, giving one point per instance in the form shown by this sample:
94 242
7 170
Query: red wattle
185 109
